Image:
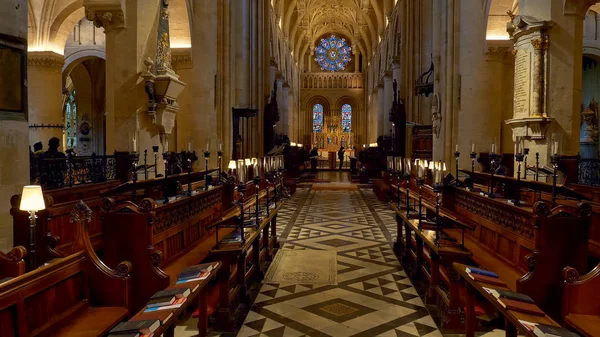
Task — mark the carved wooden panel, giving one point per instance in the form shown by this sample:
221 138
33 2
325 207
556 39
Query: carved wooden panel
8 324
506 248
173 216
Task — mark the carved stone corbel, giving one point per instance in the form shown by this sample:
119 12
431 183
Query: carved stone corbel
107 14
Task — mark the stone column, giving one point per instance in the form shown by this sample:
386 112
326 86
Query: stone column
356 59
388 84
373 116
44 80
397 69
311 58
284 109
279 128
380 109
292 117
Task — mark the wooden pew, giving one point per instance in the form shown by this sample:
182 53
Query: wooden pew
73 296
544 240
12 263
581 301
157 236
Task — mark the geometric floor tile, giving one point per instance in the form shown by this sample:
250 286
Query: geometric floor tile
373 295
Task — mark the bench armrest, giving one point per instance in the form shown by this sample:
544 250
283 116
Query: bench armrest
12 263
580 294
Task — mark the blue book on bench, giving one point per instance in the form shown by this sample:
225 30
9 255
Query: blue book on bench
474 270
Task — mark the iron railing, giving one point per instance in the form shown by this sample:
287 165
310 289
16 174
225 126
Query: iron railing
71 170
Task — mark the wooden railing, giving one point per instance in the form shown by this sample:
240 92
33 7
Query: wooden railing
332 81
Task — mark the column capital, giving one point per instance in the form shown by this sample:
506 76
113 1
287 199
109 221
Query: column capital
387 75
273 63
286 85
396 62
279 77
45 59
380 85
105 14
540 43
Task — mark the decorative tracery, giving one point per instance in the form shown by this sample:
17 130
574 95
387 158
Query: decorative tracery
333 54
346 118
317 118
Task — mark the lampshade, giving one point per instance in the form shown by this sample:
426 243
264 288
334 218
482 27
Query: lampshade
231 165
254 162
248 161
292 144
32 198
300 145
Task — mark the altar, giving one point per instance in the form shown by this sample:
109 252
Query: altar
329 140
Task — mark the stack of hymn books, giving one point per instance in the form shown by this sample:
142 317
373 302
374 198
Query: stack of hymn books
544 330
484 276
232 238
195 273
168 299
515 301
135 328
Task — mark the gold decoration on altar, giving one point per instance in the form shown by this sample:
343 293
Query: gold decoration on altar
332 136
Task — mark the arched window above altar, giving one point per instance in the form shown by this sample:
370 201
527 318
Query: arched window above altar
346 118
317 118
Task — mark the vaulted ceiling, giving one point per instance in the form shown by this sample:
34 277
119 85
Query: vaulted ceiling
304 22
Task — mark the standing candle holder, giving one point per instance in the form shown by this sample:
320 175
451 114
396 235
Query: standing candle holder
493 158
473 157
456 158
189 167
526 153
437 189
257 189
537 166
220 155
241 190
155 150
145 164
134 179
519 157
407 179
420 182
554 159
206 156
165 183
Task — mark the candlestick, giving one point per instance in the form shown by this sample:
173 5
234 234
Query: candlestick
189 189
145 164
519 157
437 189
155 150
420 182
526 153
206 156
555 159
472 147
220 155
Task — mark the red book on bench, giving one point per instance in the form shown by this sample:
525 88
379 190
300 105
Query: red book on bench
486 279
519 306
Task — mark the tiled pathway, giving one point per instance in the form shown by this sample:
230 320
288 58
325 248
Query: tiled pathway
373 296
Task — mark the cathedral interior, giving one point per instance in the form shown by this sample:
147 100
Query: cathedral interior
412 168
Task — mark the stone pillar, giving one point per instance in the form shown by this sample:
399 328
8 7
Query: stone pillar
292 129
203 115
380 109
397 69
356 59
44 80
14 131
311 58
373 116
388 84
279 128
284 109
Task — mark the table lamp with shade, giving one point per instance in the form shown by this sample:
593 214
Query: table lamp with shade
32 200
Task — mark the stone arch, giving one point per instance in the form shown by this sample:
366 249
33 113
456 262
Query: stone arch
63 24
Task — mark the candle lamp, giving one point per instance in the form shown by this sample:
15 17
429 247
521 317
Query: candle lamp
32 200
189 167
219 163
145 164
519 157
537 166
165 183
133 179
457 157
257 180
206 157
437 189
420 182
407 170
240 171
493 158
554 159
526 154
155 150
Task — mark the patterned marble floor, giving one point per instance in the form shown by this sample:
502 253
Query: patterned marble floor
373 296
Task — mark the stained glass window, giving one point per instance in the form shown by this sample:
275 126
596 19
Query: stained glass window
347 118
71 121
333 54
317 118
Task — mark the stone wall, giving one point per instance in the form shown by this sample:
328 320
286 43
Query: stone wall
14 133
